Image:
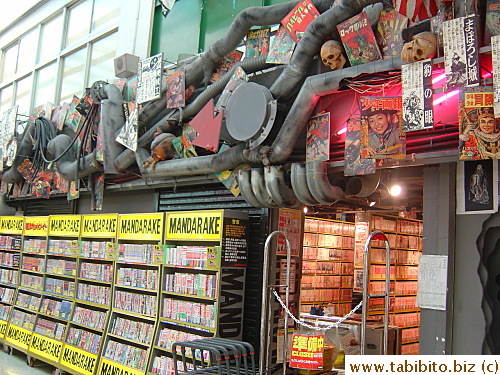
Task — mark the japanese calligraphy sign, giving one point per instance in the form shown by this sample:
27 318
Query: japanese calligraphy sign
495 52
417 95
307 352
149 78
461 52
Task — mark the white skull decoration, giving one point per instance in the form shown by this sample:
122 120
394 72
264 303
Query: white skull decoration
331 55
421 47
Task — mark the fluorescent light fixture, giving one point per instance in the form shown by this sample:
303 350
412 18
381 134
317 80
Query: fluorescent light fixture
439 78
342 131
305 209
445 97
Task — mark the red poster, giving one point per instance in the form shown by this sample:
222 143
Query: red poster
307 352
290 223
299 18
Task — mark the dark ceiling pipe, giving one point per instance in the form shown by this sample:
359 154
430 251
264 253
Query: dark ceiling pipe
259 189
246 191
363 186
310 45
278 188
319 184
24 150
299 185
67 166
5 209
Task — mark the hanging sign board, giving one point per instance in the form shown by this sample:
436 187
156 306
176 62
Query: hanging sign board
65 225
36 225
140 227
99 225
3 328
417 95
109 367
11 225
46 347
307 352
194 225
18 336
80 360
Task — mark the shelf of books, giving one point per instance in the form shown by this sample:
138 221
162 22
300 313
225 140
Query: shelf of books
405 239
327 266
89 319
11 229
203 280
59 273
136 294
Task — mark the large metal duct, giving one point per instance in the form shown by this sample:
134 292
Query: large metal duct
246 190
278 187
363 186
24 150
5 209
319 184
299 185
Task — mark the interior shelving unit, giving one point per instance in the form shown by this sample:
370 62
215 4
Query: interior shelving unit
89 319
405 239
11 229
136 294
327 266
203 280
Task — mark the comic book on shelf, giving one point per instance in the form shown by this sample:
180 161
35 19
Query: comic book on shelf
359 40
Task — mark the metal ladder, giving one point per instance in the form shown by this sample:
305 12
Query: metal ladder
376 235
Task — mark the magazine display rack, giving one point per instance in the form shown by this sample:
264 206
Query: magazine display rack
203 281
90 316
11 229
136 294
327 266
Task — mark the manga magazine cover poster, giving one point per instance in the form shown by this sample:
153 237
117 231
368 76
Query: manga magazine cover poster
128 133
257 42
149 76
73 117
359 40
389 39
297 20
224 65
176 88
382 135
492 18
354 164
281 49
318 138
479 129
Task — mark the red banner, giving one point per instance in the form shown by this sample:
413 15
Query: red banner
307 352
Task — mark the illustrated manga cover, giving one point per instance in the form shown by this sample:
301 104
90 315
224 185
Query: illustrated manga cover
73 117
257 42
461 52
492 18
416 81
296 22
74 190
60 184
96 201
239 76
184 147
26 170
131 89
479 129
8 129
176 88
389 39
318 138
44 110
382 135
359 40
128 135
41 186
354 164
226 64
149 77
281 49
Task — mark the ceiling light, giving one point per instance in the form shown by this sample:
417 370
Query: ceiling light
372 203
395 190
305 209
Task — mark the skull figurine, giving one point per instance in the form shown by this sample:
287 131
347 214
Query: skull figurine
421 47
331 55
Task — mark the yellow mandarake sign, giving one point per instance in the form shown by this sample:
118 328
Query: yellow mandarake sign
199 225
79 360
18 336
11 224
108 367
65 225
99 225
46 347
36 225
141 227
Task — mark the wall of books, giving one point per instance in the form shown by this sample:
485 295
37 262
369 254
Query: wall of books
332 265
110 293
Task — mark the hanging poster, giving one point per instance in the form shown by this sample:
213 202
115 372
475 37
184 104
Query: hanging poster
225 64
417 95
281 49
389 39
479 129
257 42
307 351
318 138
282 276
382 135
477 187
461 52
176 88
149 77
127 135
289 222
297 20
354 164
432 282
73 117
495 53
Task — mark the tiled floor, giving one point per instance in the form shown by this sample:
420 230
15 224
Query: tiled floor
15 364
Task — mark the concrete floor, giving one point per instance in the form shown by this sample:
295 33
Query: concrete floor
15 364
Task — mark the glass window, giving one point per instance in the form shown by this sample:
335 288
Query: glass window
23 94
27 52
45 85
6 99
106 13
9 62
50 39
78 22
101 62
73 75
